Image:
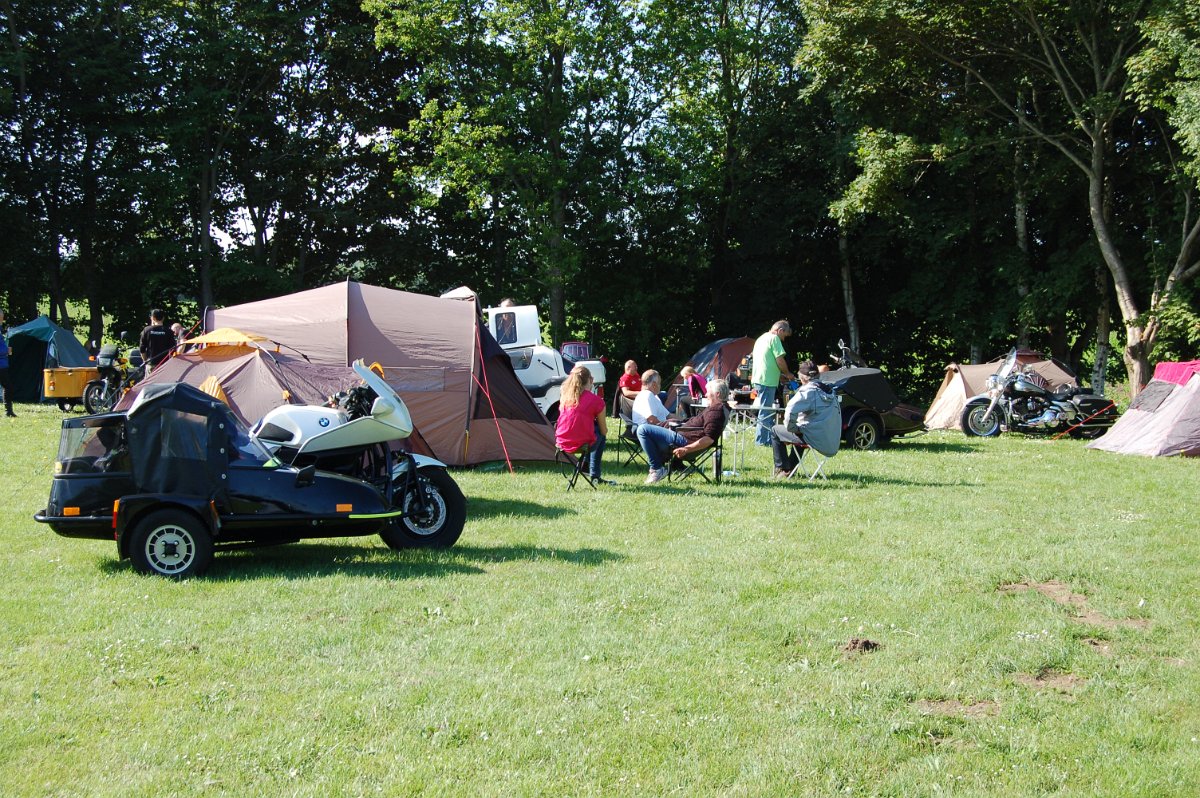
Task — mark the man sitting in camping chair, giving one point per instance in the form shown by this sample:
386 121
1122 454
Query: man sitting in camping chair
690 438
812 421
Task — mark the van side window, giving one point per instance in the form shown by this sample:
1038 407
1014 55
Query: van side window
506 328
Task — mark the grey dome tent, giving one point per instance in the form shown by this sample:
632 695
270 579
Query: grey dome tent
37 345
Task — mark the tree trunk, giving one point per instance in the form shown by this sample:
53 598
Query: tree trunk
1103 329
848 288
208 183
87 242
1021 223
1139 333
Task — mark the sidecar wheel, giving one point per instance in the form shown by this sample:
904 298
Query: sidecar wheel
864 433
974 423
171 543
443 522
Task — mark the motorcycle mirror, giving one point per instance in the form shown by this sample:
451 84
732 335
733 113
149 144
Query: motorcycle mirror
123 335
306 476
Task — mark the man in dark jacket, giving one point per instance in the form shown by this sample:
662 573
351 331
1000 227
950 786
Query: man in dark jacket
156 341
4 384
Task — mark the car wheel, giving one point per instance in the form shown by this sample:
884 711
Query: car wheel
171 543
864 433
973 421
66 405
442 523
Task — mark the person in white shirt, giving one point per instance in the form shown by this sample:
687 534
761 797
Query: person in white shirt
647 407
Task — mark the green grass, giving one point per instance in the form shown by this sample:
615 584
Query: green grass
634 641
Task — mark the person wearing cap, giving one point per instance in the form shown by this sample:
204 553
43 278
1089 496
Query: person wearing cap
813 415
768 367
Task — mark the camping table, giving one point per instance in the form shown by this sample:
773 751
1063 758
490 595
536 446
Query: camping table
743 418
743 421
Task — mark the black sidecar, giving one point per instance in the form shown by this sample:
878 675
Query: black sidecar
178 477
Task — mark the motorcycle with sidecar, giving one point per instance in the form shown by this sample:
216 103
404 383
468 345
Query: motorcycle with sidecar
179 477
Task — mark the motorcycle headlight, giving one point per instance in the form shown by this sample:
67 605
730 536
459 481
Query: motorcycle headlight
993 382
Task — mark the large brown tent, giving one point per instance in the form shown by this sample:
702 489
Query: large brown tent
1164 418
964 381
458 383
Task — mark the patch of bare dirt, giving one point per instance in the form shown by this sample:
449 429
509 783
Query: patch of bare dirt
1060 593
860 645
1051 680
1101 647
949 707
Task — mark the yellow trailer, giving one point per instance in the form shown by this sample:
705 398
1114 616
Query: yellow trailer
67 384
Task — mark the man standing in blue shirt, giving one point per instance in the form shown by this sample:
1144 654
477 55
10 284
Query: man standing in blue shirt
769 366
4 384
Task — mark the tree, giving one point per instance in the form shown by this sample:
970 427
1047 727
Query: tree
1054 70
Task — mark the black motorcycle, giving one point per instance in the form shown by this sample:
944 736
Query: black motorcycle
1020 401
118 373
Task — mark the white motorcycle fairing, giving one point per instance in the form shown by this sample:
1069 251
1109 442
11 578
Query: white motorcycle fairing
313 429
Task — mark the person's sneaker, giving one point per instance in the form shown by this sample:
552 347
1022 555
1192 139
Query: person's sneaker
656 475
782 473
602 481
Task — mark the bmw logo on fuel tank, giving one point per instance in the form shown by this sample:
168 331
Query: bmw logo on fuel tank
324 422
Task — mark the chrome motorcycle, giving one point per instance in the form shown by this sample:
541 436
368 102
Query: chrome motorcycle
1019 400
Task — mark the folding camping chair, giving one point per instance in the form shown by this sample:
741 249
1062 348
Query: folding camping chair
808 459
679 470
573 466
629 448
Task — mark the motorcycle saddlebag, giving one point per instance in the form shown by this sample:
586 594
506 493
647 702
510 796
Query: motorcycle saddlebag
1090 403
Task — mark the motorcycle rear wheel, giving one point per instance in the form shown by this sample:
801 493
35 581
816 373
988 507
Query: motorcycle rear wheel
974 423
441 526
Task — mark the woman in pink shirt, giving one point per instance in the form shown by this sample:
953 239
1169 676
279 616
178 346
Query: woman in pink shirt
581 420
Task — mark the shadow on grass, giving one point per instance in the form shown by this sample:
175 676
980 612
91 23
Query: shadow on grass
307 560
748 485
932 446
484 508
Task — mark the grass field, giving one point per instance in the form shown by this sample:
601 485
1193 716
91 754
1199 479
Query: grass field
1034 603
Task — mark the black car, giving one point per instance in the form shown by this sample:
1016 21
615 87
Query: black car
179 476
871 413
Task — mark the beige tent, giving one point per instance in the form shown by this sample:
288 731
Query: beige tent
249 379
964 381
458 383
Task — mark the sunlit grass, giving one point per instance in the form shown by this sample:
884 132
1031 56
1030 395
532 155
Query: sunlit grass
635 641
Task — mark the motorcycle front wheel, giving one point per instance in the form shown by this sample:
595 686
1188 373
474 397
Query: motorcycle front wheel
97 398
973 421
440 526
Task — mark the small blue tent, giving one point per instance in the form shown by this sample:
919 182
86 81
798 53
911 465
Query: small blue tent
37 345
